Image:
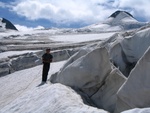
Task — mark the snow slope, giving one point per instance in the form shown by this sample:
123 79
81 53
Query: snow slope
41 39
52 34
81 37
17 83
26 96
119 20
21 93
55 98
14 53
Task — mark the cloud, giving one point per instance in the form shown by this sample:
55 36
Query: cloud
74 11
63 11
2 4
25 28
139 8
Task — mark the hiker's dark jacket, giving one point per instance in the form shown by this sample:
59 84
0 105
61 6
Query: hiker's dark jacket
47 58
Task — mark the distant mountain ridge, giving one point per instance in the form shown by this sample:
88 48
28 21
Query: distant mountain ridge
119 20
6 24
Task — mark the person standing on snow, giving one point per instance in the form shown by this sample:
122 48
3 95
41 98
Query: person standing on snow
47 59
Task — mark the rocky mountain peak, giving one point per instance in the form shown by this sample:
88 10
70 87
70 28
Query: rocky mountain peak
115 14
6 24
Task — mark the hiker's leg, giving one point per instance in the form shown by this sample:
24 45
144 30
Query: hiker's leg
45 72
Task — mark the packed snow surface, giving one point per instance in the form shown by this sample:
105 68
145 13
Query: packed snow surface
22 93
17 83
81 37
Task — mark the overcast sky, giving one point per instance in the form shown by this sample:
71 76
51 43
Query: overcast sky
68 13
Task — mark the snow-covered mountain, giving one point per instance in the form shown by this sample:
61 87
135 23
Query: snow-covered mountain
6 25
119 20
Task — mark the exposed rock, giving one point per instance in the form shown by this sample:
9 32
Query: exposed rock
115 14
135 91
8 24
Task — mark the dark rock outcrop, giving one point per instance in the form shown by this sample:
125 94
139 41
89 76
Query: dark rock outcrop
8 25
115 14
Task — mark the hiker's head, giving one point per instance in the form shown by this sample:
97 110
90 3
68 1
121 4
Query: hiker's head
48 50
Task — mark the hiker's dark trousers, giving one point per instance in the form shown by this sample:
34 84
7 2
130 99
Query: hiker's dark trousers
46 67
